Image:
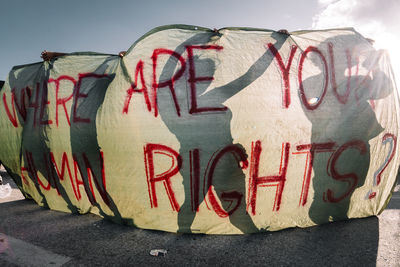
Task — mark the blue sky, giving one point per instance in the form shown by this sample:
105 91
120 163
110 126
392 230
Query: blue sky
28 27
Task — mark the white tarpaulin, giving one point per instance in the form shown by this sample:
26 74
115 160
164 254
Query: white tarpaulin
219 132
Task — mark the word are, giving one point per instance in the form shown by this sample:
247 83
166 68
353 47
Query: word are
329 69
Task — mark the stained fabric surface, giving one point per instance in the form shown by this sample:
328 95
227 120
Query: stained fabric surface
220 132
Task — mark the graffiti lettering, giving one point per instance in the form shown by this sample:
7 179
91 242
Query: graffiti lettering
37 100
54 175
193 80
350 178
233 195
310 150
134 89
255 180
285 71
152 178
170 83
303 97
392 140
273 180
62 101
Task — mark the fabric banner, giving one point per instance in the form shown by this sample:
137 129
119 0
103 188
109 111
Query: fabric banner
220 132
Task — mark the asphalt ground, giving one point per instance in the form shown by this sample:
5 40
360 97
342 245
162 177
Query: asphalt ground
34 236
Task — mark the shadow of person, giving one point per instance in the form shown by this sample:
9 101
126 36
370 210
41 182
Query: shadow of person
342 115
16 83
85 146
203 130
30 88
36 146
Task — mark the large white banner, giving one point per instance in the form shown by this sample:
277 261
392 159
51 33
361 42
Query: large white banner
218 132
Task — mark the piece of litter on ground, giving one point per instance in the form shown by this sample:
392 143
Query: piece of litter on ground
158 252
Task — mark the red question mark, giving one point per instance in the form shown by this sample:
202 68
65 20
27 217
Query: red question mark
392 140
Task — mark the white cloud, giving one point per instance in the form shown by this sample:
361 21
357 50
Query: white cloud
367 16
376 19
326 2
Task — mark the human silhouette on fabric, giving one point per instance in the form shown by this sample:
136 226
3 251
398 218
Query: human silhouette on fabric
343 117
209 130
36 148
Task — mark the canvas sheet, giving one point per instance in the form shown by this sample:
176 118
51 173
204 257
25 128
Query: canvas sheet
219 132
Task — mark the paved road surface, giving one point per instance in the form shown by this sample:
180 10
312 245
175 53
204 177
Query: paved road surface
33 236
